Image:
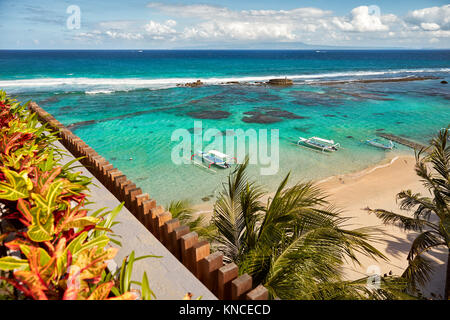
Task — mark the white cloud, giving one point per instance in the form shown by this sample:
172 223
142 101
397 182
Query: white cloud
97 36
213 11
127 30
156 29
429 26
94 35
294 13
364 26
240 30
362 21
221 23
192 10
124 35
430 19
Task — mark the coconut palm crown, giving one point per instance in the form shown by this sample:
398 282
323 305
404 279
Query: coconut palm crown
295 243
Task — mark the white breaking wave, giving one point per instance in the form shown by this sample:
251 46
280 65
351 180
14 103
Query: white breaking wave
98 91
109 85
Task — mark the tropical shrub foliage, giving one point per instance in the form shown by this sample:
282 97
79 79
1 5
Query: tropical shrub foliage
50 248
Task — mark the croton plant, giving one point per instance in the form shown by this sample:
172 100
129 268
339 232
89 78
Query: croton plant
50 247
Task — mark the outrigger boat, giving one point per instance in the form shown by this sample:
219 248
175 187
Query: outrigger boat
376 142
214 157
319 143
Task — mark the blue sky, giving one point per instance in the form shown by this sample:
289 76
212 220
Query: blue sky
211 24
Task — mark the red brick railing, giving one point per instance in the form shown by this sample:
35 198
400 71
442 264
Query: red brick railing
222 280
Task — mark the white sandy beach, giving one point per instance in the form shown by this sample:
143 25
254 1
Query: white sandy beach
377 187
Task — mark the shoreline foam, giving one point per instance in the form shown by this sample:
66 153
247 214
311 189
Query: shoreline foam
92 85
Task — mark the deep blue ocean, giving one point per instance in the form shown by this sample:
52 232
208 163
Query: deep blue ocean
126 104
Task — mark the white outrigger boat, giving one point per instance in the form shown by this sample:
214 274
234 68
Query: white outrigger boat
376 142
319 143
214 157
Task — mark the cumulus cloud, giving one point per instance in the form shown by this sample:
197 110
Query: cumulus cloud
429 26
214 11
221 23
362 20
124 35
430 19
130 30
240 30
158 30
95 35
364 25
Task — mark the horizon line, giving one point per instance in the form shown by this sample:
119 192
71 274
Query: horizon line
225 49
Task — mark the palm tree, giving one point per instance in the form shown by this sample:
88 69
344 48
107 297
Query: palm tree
430 215
294 244
185 213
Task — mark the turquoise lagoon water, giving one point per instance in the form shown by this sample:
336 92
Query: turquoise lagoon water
126 104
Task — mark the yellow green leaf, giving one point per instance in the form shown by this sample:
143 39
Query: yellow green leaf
102 291
48 204
10 263
39 231
16 186
44 257
81 222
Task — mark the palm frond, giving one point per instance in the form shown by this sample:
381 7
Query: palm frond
251 209
358 240
419 271
228 216
424 242
294 207
181 209
409 200
407 223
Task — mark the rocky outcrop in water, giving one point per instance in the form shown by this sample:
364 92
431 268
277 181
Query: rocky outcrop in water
444 82
259 117
271 116
209 114
75 125
284 114
197 83
280 82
